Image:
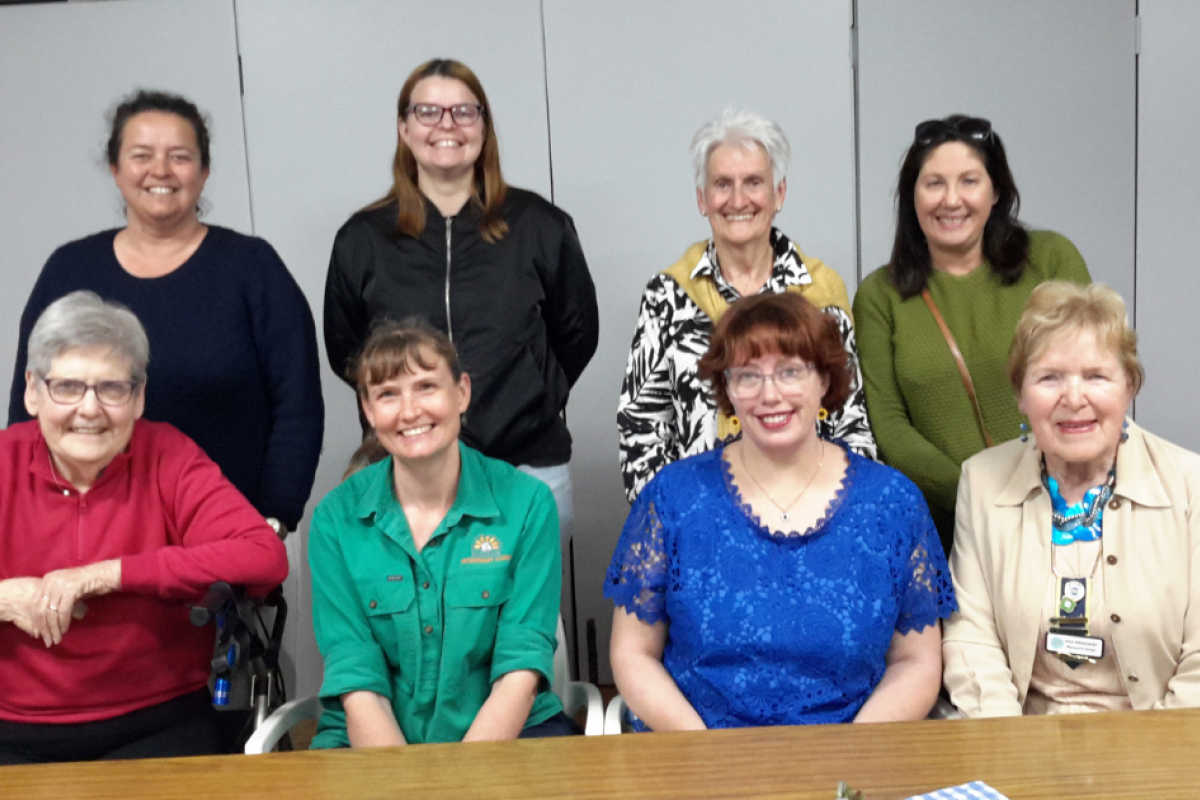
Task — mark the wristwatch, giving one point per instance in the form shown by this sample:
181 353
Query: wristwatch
280 529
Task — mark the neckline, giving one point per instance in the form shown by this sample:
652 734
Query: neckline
204 243
817 529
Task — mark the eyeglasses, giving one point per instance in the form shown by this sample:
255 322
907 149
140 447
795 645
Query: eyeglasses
67 391
431 114
746 384
935 130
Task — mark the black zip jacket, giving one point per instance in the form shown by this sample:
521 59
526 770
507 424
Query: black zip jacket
521 312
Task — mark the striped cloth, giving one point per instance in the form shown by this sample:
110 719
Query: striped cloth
975 790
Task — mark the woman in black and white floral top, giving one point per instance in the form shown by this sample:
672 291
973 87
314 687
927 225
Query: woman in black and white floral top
666 411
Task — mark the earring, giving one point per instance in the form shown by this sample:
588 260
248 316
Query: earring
1125 431
822 414
778 209
703 213
1024 432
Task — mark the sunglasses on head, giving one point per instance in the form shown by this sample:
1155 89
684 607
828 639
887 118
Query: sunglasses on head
937 130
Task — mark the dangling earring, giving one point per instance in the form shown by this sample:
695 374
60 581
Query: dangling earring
1024 432
1125 431
822 414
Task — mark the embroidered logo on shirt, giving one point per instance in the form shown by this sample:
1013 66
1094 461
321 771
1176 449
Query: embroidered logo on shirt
485 550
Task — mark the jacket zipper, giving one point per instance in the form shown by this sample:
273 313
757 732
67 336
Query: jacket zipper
449 326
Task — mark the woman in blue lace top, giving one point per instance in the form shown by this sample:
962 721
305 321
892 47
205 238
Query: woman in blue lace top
781 579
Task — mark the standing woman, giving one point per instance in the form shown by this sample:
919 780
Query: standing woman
961 256
498 269
667 410
235 365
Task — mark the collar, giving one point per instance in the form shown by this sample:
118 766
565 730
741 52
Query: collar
787 270
1137 475
474 497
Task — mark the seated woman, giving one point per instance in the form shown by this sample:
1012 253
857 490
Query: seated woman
1077 553
435 571
792 592
108 525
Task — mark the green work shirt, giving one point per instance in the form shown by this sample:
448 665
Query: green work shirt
433 630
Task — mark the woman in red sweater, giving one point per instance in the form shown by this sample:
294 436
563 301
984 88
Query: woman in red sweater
108 526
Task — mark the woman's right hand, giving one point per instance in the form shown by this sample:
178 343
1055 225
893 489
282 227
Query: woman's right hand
20 600
371 721
636 652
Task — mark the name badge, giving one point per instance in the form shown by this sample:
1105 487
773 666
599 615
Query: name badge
1074 646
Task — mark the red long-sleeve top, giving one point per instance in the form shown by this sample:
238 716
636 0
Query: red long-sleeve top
163 508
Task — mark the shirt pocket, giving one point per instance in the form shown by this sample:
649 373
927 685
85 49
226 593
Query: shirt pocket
392 614
473 605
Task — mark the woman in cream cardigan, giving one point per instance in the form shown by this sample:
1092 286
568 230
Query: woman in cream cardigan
1077 551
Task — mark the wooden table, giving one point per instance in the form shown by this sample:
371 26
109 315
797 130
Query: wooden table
1152 754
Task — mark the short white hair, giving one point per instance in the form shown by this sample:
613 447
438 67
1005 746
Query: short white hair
741 128
82 319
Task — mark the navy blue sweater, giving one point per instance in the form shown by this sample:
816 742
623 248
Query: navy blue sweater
233 357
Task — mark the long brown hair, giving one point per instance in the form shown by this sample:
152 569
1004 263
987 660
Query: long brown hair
490 188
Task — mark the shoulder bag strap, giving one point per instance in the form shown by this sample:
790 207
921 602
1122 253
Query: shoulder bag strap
958 360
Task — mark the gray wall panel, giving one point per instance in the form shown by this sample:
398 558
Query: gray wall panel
1168 282
629 84
1056 79
321 82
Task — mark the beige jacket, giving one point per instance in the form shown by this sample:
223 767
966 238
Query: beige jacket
1001 565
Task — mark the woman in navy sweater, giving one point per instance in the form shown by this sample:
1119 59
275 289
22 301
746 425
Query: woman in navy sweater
236 365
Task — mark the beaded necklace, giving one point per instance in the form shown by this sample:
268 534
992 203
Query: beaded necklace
1083 521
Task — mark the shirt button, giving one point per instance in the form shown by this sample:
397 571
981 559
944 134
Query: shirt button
1114 505
1133 678
425 585
1115 617
486 594
429 629
373 604
1111 559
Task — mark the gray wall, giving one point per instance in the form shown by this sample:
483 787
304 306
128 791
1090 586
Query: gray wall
604 98
1168 237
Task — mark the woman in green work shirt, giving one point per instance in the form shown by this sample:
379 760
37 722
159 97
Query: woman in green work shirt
959 241
435 571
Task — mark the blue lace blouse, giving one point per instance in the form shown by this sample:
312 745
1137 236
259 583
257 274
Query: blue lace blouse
771 630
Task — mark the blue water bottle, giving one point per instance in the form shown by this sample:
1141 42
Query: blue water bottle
221 692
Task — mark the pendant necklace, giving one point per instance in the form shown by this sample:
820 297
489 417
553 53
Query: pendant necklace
783 511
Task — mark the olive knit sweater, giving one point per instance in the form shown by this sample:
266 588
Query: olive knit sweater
919 411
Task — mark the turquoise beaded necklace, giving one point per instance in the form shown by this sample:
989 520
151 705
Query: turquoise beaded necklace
1082 521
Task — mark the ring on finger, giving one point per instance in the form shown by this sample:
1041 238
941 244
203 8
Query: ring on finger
53 608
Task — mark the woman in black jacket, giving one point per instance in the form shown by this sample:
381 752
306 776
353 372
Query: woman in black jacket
499 269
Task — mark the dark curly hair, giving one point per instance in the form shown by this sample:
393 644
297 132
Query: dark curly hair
146 100
783 323
1005 242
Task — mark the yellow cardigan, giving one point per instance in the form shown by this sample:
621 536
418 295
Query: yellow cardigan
1001 565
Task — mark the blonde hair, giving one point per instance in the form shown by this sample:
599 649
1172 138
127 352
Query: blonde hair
1058 308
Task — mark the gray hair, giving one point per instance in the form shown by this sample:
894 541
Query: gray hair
742 128
82 319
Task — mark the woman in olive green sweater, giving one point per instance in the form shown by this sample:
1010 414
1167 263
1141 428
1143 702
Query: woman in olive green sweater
957 236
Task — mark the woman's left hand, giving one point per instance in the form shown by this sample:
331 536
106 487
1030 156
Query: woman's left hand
58 602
